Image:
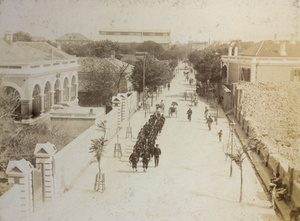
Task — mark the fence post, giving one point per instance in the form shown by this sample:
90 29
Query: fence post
20 173
44 153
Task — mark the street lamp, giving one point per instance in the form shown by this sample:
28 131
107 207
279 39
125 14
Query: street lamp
144 76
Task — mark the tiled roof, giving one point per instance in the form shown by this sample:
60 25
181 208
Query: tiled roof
38 38
271 48
29 52
88 64
72 37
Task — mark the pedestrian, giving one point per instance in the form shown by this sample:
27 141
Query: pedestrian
185 95
209 122
206 113
189 113
220 135
134 159
157 153
145 159
168 86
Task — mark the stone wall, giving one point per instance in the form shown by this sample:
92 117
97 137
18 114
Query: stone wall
270 115
77 152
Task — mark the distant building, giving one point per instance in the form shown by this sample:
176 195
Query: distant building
137 37
73 38
197 45
40 74
265 61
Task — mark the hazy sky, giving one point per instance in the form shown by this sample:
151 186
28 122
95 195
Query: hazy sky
196 20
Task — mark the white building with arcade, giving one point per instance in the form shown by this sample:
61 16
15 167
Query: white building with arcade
41 75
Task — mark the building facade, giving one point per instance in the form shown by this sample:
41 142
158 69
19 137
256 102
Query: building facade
41 75
73 38
266 61
137 37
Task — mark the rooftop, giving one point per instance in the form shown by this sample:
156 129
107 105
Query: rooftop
20 53
72 37
271 48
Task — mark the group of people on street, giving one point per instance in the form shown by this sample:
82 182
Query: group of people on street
146 147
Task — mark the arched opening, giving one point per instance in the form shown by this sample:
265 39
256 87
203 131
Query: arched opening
57 97
47 98
36 103
224 72
66 90
14 96
73 88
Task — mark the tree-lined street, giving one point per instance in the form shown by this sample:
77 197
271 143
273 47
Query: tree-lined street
192 180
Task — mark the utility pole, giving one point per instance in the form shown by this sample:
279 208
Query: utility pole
231 143
144 79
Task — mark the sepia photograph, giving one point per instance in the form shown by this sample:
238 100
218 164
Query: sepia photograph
151 110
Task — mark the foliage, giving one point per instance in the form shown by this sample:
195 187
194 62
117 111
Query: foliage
103 80
101 49
18 141
153 48
156 73
180 51
21 36
207 64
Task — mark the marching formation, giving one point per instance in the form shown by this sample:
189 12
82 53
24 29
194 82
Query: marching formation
145 147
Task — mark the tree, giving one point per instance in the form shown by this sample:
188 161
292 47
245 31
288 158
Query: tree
8 104
97 147
100 49
151 47
207 63
238 158
21 36
18 141
104 78
156 73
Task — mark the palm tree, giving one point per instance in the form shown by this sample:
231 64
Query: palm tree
97 146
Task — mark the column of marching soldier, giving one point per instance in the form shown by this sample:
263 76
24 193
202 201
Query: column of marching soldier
145 147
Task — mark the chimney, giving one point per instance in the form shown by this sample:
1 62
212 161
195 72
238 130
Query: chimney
293 41
8 37
236 49
230 51
275 37
282 49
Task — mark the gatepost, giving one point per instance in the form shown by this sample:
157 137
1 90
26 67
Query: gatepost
44 153
116 103
123 101
20 173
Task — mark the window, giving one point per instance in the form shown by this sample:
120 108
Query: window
245 74
295 76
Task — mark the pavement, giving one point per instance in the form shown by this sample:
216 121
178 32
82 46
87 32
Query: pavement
263 173
192 181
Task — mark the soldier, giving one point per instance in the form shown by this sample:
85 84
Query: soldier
134 159
145 159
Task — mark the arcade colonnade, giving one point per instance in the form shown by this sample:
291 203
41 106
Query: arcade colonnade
41 94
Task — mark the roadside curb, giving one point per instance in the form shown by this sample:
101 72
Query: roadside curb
279 205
